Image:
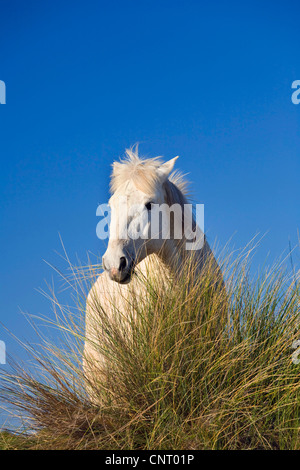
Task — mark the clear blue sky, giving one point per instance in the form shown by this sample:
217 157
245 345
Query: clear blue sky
209 81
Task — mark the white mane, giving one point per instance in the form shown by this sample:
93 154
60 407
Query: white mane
144 174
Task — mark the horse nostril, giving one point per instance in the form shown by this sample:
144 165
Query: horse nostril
122 263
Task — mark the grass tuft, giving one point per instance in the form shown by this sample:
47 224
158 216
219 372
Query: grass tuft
186 368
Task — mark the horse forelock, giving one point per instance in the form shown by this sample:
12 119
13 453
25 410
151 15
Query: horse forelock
145 176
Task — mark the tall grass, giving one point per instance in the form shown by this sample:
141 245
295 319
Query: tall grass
186 368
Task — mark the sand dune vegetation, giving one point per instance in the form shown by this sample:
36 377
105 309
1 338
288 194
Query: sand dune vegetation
199 369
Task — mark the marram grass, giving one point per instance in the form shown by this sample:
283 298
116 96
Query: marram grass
188 368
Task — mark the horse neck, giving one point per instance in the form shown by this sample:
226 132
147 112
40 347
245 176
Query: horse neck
175 253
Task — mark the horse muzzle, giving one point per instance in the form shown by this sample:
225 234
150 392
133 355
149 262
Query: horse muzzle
123 273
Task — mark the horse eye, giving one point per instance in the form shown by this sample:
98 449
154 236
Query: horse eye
148 206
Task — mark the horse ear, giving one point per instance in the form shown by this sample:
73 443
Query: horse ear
165 169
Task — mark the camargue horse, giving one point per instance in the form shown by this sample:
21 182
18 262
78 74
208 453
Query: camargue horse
137 186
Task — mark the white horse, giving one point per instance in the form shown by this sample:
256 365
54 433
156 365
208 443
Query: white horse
136 185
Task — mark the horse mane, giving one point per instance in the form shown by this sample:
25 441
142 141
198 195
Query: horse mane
144 174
